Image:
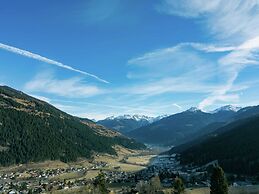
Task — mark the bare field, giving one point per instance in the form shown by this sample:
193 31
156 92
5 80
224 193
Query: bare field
40 165
91 174
115 162
126 160
140 160
69 176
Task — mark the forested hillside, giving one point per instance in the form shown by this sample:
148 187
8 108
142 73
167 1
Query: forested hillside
235 146
178 128
33 130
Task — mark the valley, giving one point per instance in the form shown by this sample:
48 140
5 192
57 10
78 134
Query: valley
86 156
129 97
57 176
122 174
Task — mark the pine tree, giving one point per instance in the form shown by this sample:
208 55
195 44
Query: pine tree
155 183
178 186
218 182
101 183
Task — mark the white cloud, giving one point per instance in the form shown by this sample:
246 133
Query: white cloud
235 19
182 68
188 8
43 98
104 107
46 60
234 25
73 87
188 68
182 60
178 106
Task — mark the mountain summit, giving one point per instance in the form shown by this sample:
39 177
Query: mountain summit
227 108
194 109
187 125
126 123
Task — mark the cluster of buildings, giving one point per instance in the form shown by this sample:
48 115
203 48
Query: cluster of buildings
37 181
167 167
41 181
119 177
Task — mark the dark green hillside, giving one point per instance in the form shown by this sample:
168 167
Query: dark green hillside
32 130
204 133
175 129
191 125
237 149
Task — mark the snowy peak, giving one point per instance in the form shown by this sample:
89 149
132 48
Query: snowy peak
134 117
126 123
159 117
137 118
230 108
194 109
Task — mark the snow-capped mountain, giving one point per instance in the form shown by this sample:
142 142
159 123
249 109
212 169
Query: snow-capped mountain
133 117
159 118
126 123
227 108
182 127
194 109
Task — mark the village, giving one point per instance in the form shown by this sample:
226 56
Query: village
41 181
118 174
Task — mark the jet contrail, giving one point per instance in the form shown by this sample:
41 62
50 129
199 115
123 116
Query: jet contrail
46 60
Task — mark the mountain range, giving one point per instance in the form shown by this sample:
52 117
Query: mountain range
127 123
186 126
33 130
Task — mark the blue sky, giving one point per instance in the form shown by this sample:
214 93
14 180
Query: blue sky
98 58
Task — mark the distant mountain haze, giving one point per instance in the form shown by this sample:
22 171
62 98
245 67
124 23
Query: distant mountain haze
186 126
126 123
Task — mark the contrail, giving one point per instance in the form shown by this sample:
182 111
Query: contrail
46 60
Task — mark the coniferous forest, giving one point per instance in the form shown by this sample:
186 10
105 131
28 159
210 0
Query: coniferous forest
32 130
237 149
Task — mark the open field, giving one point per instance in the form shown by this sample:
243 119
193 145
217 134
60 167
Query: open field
134 162
126 160
140 160
40 165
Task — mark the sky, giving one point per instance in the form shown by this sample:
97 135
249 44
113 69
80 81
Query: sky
98 58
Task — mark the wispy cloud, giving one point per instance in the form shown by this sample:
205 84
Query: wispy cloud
231 20
72 87
47 60
234 26
43 98
178 106
186 8
182 68
189 68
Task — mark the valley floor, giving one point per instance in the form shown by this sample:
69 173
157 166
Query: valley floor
57 175
61 178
